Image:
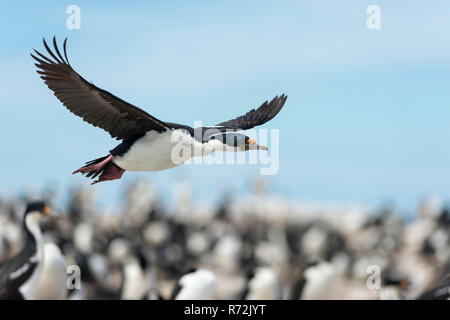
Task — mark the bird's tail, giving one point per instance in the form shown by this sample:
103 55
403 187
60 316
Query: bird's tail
102 167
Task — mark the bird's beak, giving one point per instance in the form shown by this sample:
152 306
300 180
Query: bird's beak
404 284
258 147
253 146
48 212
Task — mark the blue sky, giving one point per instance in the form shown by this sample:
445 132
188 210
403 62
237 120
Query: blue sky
367 118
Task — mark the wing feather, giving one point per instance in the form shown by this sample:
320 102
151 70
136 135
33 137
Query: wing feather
94 105
266 112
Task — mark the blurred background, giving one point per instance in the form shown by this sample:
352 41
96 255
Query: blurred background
365 127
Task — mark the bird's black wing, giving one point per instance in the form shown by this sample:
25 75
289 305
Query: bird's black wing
16 272
253 118
96 106
441 292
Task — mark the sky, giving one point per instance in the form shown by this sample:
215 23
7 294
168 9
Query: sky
367 115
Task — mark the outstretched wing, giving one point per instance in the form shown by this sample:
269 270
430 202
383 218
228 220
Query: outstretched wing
96 106
253 118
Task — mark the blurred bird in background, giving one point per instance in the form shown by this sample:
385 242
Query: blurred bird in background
38 271
279 249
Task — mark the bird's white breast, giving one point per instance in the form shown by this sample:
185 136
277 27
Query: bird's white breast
51 284
135 283
158 151
198 285
319 281
28 287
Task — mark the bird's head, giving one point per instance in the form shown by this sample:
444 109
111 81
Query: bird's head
38 209
236 142
402 283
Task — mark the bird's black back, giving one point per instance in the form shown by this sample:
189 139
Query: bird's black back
9 286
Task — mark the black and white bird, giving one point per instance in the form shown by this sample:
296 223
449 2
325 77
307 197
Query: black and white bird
264 285
394 288
148 144
315 283
440 292
196 284
20 277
